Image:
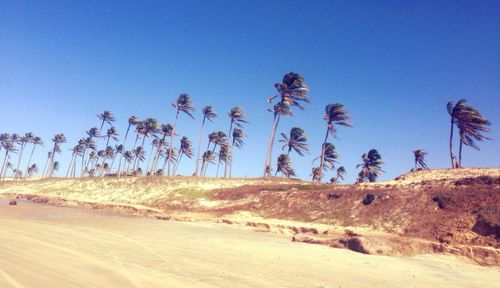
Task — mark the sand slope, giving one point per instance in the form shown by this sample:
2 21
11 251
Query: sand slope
44 246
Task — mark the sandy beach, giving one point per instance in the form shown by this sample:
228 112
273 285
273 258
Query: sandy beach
46 246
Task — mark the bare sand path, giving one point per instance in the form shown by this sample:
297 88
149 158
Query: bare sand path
44 246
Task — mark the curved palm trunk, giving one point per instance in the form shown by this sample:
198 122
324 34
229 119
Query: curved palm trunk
229 149
217 172
31 156
176 165
121 154
70 164
172 141
322 161
267 165
199 147
51 163
452 157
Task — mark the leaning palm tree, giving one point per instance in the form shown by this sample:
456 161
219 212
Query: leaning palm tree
340 175
208 114
208 158
149 128
27 138
9 148
111 134
109 153
471 125
186 149
35 141
32 170
296 142
87 143
284 165
165 130
107 117
370 168
223 157
55 167
419 155
129 157
238 142
291 90
75 151
132 121
58 140
329 156
453 110
335 114
183 104
237 117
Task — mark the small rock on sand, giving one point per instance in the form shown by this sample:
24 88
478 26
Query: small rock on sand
12 202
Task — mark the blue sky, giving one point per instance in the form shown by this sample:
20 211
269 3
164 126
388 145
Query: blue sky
393 64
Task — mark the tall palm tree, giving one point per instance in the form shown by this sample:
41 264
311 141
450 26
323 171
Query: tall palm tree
419 155
335 114
149 128
27 138
75 151
296 142
370 168
208 114
120 149
132 121
471 124
340 175
35 141
218 138
183 104
111 133
129 157
292 90
237 117
284 165
165 130
58 140
107 117
238 142
109 153
88 143
186 149
453 110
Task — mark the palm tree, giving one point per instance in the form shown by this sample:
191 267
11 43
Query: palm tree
218 138
107 117
148 129
165 130
27 138
237 117
76 150
335 114
208 114
32 170
88 143
55 167
208 158
453 110
340 175
291 91
186 149
109 153
35 141
471 124
120 149
420 158
284 165
9 147
111 133
370 168
183 104
238 142
132 121
329 156
223 157
296 142
129 156
58 140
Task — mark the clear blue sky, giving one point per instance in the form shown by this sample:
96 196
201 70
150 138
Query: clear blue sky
393 64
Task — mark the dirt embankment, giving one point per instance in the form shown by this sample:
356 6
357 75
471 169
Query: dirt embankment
451 211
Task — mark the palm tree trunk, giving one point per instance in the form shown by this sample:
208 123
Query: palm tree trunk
460 154
31 156
82 170
177 163
70 163
321 163
149 167
452 157
267 165
172 141
46 166
199 147
229 148
107 142
217 172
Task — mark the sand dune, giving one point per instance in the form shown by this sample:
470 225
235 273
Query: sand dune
44 246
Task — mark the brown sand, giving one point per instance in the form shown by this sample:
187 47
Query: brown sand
44 246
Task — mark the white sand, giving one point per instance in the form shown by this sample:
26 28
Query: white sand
43 246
